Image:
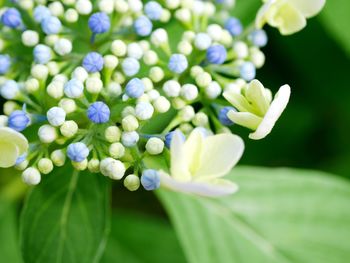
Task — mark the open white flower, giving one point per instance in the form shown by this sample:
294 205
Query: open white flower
256 109
12 145
198 164
289 16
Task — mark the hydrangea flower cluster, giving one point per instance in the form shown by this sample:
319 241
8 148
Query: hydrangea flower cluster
85 77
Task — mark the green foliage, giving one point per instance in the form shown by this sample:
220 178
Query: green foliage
66 218
279 215
137 238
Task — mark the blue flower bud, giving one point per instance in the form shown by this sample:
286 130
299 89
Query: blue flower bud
131 66
169 137
99 23
216 54
234 26
98 112
18 120
11 18
258 38
9 89
153 10
74 88
130 139
51 25
247 71
150 179
41 12
143 26
42 54
5 63
93 62
223 116
135 88
178 63
77 152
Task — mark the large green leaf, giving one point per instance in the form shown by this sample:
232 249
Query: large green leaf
335 18
278 215
66 218
136 238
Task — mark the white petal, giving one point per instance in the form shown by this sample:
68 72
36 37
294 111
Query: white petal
245 119
238 101
8 134
220 153
261 20
308 8
277 107
8 154
193 150
179 165
215 188
256 95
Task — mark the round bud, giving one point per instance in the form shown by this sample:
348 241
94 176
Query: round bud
110 61
156 74
68 105
112 168
63 47
55 89
71 15
118 48
203 79
187 113
130 139
58 157
150 58
69 129
56 116
94 85
132 182
202 41
39 71
45 165
172 88
31 85
47 134
31 176
30 38
161 104
201 119
213 90
112 134
154 146
94 166
116 150
130 123
83 7
80 166
80 74
150 179
189 92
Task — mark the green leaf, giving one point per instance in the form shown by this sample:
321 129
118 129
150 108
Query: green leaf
66 218
136 238
278 215
335 18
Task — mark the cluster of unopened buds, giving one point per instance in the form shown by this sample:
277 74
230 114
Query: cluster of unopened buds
83 79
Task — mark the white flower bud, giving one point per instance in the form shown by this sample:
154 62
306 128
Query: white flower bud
3 120
257 57
112 168
63 46
134 50
47 133
39 71
183 15
189 36
203 79
118 77
187 113
135 6
144 111
60 77
189 92
26 4
118 48
241 50
153 95
23 165
80 166
10 106
172 88
130 139
159 37
58 158
56 116
215 32
67 2
69 129
71 15
226 38
68 105
147 83
132 182
31 85
53 68
56 8
213 90
112 134
186 128
31 176
50 40
117 150
154 146
106 6
94 85
30 38
130 123
156 74
209 9
196 70
185 47
83 7
45 166
128 110
178 103
150 58
80 73
121 6
114 89
201 119
172 4
55 89
94 166
161 104
166 15
202 41
110 61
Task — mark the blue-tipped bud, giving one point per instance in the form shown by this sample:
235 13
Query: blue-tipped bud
51 25
42 54
143 26
11 18
93 62
135 88
153 10
98 112
234 26
169 137
223 116
178 63
99 23
150 179
216 54
131 66
258 38
18 120
40 13
77 152
247 71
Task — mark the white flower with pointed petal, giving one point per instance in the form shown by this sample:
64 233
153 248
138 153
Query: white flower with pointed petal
255 109
289 16
198 164
12 145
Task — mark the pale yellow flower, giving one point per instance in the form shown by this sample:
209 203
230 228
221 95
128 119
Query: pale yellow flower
289 16
256 109
12 145
198 163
